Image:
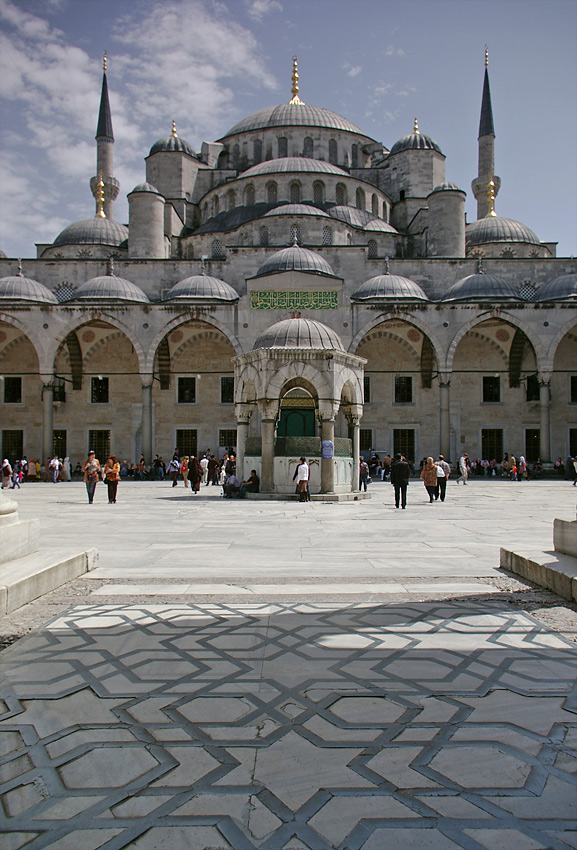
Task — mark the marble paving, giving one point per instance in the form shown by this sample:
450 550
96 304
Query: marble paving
290 726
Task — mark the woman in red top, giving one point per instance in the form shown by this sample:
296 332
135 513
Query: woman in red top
112 477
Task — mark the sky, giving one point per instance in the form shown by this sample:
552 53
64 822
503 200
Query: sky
208 63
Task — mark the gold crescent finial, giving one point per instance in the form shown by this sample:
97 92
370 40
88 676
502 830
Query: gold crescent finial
174 133
100 197
295 86
416 126
491 198
486 56
19 268
104 61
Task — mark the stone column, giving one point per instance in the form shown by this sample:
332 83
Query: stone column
243 413
47 418
267 468
147 417
328 464
545 418
356 454
445 416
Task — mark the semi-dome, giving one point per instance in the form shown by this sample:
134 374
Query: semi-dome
202 287
93 231
19 288
296 209
110 288
297 259
481 287
390 287
359 218
145 187
294 163
293 115
171 144
377 224
493 228
559 289
299 333
448 187
415 141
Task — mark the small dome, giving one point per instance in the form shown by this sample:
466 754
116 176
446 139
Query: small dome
415 142
481 287
293 115
559 289
3 255
296 209
145 187
297 259
493 228
296 164
109 287
202 288
172 143
447 187
299 333
377 224
391 287
19 288
92 231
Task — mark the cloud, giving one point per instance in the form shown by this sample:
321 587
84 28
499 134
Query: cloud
257 9
353 71
394 51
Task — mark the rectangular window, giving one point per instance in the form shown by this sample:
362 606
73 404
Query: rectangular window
366 439
532 388
186 390
404 442
573 389
492 444
186 440
227 438
403 390
12 445
99 443
367 389
572 442
12 390
227 390
491 389
59 443
532 444
99 391
59 390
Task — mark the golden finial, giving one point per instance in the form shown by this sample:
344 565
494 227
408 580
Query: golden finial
486 56
295 85
20 268
104 60
174 133
416 126
387 265
491 198
100 197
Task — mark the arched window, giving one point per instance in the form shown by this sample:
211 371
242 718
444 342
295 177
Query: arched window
295 234
205 211
355 156
372 249
375 204
360 199
295 192
263 236
271 193
217 250
235 156
318 192
385 212
230 199
333 151
282 146
349 239
215 205
257 148
249 196
308 147
327 236
341 194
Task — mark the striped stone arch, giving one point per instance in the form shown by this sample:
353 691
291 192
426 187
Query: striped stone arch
182 320
410 319
80 321
384 334
492 344
304 371
101 343
568 329
209 333
538 346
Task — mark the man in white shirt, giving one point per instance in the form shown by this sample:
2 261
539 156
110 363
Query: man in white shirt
204 465
302 476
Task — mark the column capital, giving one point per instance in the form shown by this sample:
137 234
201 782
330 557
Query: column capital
243 412
544 378
268 408
147 380
445 379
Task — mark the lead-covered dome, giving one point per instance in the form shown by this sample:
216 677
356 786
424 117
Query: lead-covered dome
171 144
92 231
493 228
296 209
562 287
360 218
293 115
415 141
200 287
291 164
296 259
145 187
109 287
19 288
447 187
299 333
389 287
481 287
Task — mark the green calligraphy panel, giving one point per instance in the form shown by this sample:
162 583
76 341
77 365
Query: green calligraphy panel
299 300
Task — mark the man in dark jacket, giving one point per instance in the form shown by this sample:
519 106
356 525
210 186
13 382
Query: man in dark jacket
400 474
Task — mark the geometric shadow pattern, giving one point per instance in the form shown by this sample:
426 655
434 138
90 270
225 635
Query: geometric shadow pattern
365 726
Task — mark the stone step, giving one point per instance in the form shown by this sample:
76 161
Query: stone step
27 578
552 570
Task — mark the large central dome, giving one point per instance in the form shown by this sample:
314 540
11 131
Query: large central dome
293 115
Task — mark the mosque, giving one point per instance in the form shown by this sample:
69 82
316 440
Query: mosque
294 287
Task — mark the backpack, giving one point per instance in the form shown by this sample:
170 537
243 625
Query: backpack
440 471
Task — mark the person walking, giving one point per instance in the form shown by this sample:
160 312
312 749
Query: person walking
194 474
6 474
363 474
443 473
302 476
91 474
463 469
173 469
400 474
112 477
429 477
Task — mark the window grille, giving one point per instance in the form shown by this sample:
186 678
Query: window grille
366 439
360 199
227 438
99 391
367 389
318 192
340 194
99 443
186 440
12 445
217 250
272 193
186 390
404 442
403 389
282 147
59 443
257 151
372 249
491 389
263 236
12 390
227 390
308 147
327 236
492 443
249 196
295 234
295 193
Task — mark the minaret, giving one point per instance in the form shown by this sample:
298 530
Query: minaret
486 170
105 152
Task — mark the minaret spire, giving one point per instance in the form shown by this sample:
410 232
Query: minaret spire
104 153
486 185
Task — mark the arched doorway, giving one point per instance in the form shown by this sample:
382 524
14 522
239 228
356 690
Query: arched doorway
297 414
